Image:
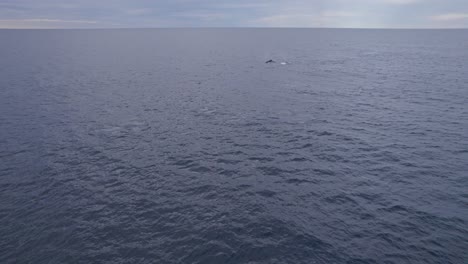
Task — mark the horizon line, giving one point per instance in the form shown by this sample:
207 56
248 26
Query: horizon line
120 28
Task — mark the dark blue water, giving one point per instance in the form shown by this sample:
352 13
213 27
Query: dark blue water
183 146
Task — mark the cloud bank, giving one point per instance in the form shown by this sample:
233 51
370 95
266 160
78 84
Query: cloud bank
234 13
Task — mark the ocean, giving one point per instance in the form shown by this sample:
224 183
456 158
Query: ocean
184 146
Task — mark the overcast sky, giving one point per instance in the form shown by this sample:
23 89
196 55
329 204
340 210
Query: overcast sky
233 13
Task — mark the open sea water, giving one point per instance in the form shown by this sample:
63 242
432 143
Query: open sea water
184 146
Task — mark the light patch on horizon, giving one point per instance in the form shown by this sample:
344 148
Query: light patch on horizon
139 11
402 2
335 18
205 16
45 23
449 20
450 17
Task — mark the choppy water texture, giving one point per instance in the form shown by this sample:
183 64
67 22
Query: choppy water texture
184 146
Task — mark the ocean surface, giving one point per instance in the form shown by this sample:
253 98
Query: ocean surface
184 146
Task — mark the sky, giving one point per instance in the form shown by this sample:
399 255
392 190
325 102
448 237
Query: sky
233 13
